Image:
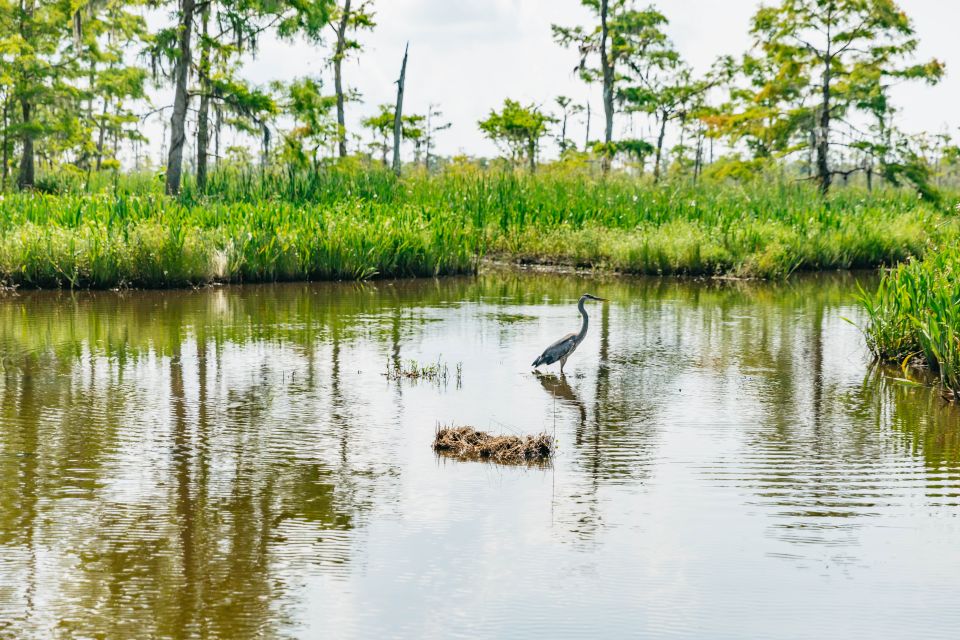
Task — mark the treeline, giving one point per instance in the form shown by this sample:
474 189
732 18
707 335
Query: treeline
810 97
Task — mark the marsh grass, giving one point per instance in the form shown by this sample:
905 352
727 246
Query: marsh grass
914 315
360 223
437 372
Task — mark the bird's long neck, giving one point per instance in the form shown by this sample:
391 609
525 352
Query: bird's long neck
586 320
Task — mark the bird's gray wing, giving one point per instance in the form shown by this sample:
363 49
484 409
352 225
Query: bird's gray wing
557 350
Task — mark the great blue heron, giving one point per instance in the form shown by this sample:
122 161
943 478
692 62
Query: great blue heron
562 348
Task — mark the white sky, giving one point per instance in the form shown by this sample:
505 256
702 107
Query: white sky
468 55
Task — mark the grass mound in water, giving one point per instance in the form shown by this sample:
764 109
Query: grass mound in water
468 444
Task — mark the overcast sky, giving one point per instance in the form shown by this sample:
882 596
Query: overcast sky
468 55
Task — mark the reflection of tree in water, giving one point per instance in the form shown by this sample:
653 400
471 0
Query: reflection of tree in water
797 453
817 453
613 444
226 509
921 425
241 414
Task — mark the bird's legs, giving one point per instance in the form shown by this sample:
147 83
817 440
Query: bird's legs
563 361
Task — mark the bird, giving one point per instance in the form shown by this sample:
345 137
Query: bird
565 346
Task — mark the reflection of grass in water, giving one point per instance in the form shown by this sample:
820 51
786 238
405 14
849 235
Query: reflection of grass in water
510 318
467 443
437 372
930 426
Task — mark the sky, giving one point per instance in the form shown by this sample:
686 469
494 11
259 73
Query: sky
466 56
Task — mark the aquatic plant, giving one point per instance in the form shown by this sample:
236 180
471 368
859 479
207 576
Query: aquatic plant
914 315
437 372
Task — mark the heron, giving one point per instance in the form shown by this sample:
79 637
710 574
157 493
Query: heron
565 346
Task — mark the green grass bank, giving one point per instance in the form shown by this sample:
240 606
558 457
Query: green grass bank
355 224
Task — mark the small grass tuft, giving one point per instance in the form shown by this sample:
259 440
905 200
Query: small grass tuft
437 372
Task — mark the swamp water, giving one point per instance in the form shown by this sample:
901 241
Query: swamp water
233 462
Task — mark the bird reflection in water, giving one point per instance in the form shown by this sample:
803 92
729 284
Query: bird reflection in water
559 387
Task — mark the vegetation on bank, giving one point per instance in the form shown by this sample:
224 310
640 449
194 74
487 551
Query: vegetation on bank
915 315
359 224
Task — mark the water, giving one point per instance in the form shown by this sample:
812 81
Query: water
233 463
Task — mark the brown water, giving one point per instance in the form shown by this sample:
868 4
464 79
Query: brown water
232 463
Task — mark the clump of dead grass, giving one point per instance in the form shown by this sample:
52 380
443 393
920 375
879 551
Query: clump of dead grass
467 443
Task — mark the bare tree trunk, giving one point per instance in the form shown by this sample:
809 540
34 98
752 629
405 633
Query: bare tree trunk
663 131
532 153
26 177
203 118
563 133
398 113
607 69
178 135
338 78
586 139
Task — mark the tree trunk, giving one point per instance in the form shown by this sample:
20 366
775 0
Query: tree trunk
178 119
265 147
663 131
428 138
203 118
26 177
398 113
698 159
338 78
586 139
563 133
607 69
823 139
216 137
91 86
101 133
532 153
6 143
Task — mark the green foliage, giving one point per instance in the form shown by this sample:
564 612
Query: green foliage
314 127
517 129
636 38
816 62
915 315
